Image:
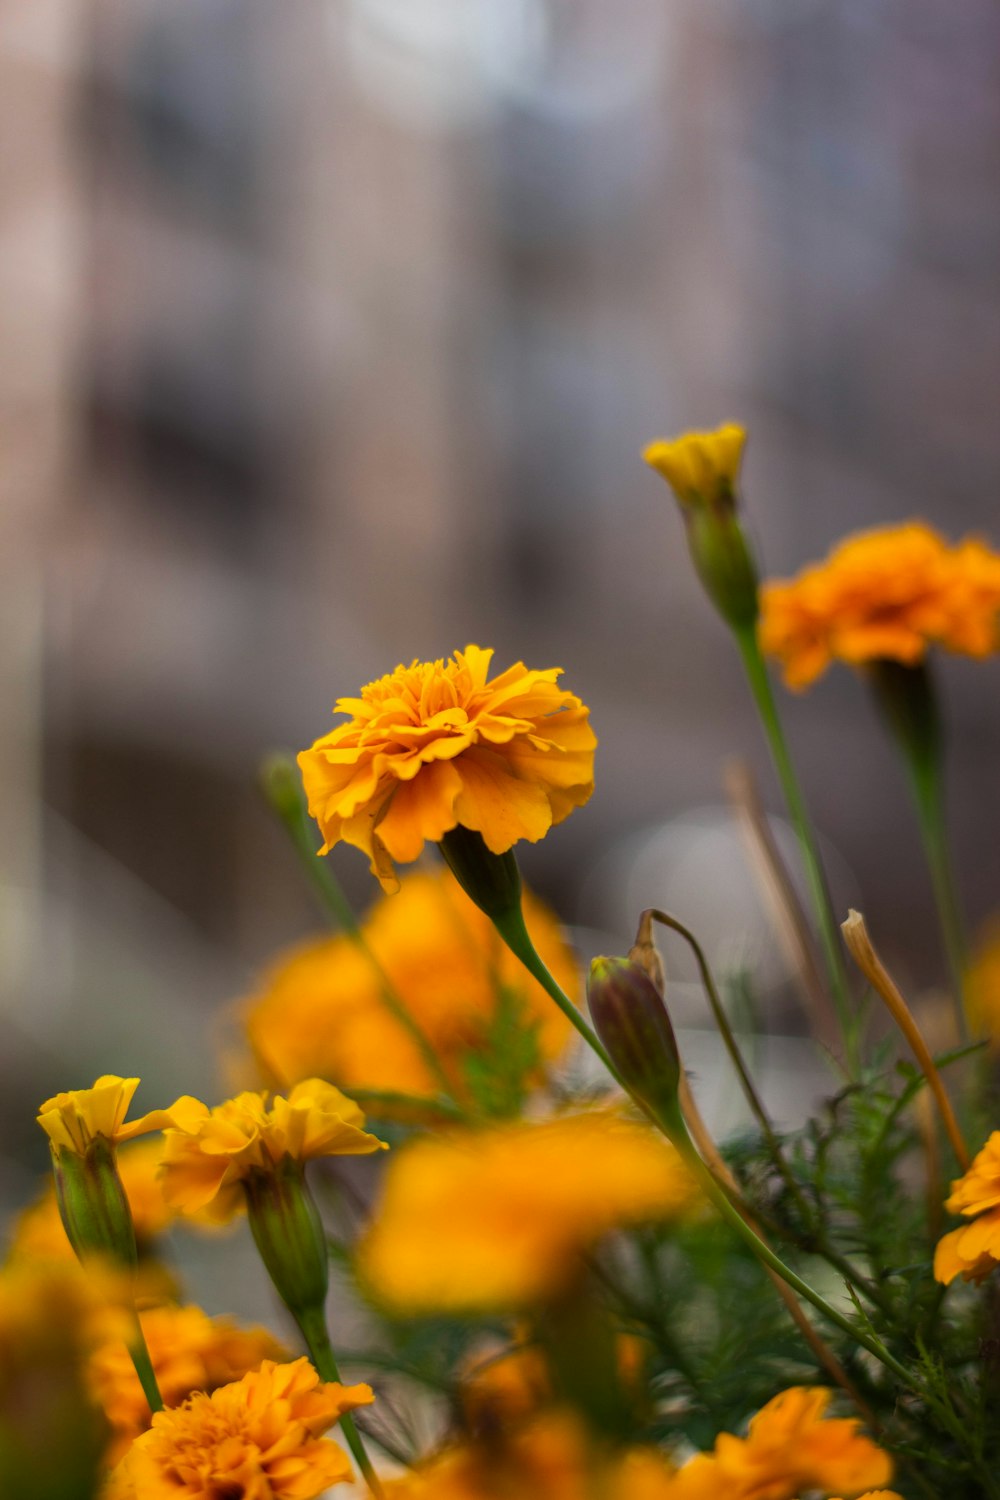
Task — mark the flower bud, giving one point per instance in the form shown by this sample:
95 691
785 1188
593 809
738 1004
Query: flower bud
492 881
281 784
93 1204
288 1232
631 1020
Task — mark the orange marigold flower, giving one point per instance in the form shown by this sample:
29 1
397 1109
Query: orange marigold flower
497 1218
790 1446
321 1009
208 1155
888 594
74 1120
190 1352
437 744
973 1250
260 1437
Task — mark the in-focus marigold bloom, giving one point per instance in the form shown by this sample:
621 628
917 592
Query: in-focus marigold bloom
700 467
74 1120
438 744
496 1219
973 1251
791 1446
190 1352
259 1438
207 1159
887 594
321 1009
39 1231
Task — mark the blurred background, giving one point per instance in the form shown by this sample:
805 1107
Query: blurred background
332 331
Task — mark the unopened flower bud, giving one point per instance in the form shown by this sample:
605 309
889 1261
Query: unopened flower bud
492 881
631 1020
701 469
93 1204
288 1232
281 784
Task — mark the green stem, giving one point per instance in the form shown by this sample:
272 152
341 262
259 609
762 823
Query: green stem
926 785
763 694
139 1353
312 1323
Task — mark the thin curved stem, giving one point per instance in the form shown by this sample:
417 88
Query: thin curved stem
139 1354
317 1337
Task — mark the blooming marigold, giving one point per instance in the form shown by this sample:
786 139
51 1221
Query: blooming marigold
259 1437
74 1120
479 1220
189 1352
973 1251
887 594
321 1009
790 1446
208 1156
435 745
700 467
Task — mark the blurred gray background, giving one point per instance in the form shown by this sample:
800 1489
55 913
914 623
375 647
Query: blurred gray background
332 331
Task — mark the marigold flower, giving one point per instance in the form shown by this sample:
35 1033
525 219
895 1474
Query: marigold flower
208 1156
259 1437
321 1009
791 1446
886 594
492 1219
982 986
74 1120
973 1251
436 745
189 1352
700 467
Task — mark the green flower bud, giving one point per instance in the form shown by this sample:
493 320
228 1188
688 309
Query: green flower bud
93 1204
631 1020
288 1232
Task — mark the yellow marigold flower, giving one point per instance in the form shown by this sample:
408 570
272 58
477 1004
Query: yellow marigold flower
436 745
208 1157
886 594
321 1008
74 1120
479 1220
39 1230
700 467
259 1437
189 1351
791 1446
973 1251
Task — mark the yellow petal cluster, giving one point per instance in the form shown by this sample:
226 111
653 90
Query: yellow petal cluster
73 1120
497 1218
700 467
322 1010
189 1351
791 1447
973 1251
438 744
259 1438
889 594
210 1152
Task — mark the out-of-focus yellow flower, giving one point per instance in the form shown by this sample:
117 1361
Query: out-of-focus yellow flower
208 1158
888 594
505 1386
74 1120
552 1459
436 745
259 1437
495 1219
982 986
321 1008
700 467
39 1231
189 1351
791 1446
973 1251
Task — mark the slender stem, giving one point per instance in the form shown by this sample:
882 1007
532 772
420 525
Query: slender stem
317 1337
139 1353
927 787
763 694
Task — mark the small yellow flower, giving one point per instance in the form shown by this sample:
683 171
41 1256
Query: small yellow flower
887 594
189 1351
496 1219
973 1251
208 1157
439 744
700 467
791 1446
260 1437
74 1120
321 1009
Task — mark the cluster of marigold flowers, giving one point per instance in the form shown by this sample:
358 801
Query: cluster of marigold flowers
500 1190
